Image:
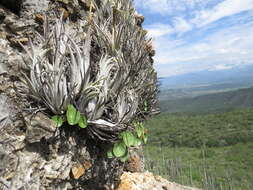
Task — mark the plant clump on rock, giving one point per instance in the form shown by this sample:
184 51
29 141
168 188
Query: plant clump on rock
111 91
93 78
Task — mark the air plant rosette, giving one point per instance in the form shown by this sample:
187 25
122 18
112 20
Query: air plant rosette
107 103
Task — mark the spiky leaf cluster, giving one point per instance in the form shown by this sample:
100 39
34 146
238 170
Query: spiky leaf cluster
119 35
60 70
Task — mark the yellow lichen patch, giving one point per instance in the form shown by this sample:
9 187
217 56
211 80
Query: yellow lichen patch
79 170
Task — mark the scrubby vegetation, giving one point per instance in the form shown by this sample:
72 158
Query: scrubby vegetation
212 151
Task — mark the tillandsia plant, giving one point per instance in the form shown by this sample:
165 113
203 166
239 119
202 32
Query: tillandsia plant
58 69
119 35
108 101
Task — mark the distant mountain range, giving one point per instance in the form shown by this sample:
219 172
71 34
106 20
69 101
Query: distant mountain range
207 91
240 75
242 98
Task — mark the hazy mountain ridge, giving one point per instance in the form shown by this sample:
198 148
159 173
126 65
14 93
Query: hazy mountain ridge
242 98
235 75
198 90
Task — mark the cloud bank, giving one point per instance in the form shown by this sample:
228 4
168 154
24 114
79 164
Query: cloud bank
194 35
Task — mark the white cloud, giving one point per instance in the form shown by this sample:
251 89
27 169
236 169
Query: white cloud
204 12
222 67
223 9
231 46
156 6
212 46
158 29
170 7
181 25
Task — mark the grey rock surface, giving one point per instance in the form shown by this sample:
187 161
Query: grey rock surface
38 127
5 112
33 153
29 8
32 156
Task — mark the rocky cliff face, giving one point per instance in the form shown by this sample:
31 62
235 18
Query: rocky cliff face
34 153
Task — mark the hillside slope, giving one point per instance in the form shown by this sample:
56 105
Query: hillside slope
212 151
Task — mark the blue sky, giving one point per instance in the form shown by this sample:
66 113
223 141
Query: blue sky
196 35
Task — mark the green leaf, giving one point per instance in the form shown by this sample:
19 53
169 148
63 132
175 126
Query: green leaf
139 130
145 139
82 122
128 138
121 136
145 106
73 116
119 149
125 157
137 142
110 154
58 120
